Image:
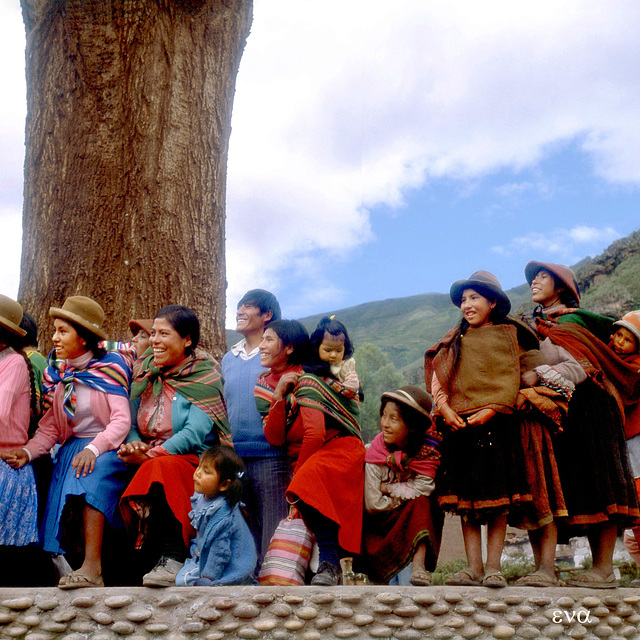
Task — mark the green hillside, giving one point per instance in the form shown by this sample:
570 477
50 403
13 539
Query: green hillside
404 327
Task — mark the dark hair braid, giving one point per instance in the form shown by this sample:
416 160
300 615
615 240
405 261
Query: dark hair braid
35 409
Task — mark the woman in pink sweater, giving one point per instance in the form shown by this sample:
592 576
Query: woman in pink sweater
18 501
87 412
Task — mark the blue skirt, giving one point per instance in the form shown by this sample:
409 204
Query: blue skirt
18 506
101 489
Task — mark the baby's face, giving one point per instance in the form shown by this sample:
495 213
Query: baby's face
624 342
331 349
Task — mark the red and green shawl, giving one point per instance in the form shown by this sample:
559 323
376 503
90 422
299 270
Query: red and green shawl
198 379
332 398
600 363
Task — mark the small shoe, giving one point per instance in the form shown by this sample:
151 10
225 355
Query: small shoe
77 580
163 574
328 575
464 578
494 579
420 578
593 580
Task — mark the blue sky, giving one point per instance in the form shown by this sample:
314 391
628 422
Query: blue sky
387 149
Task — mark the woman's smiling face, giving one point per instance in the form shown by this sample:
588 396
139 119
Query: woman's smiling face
475 308
543 289
169 347
68 344
394 429
273 354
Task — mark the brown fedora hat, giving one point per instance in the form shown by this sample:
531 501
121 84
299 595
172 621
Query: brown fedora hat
482 281
10 315
144 324
82 311
411 396
560 271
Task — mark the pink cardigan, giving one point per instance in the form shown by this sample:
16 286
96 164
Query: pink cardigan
110 412
15 400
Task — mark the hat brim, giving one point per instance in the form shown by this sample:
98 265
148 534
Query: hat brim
12 327
406 399
56 312
629 327
137 324
503 304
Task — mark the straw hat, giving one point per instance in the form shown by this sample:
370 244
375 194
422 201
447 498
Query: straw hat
482 281
82 311
145 325
564 274
631 321
412 396
10 315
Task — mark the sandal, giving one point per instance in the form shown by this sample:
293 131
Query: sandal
77 580
593 580
464 578
420 578
494 579
537 579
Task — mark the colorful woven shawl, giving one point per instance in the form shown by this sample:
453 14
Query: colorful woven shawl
110 374
198 379
332 398
265 388
600 363
424 463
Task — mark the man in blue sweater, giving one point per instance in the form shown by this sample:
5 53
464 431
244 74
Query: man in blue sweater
267 468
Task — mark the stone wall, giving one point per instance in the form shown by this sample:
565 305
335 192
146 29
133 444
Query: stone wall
314 613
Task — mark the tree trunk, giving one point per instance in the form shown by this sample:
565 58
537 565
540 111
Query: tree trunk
128 123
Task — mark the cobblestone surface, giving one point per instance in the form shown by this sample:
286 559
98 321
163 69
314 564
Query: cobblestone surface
313 613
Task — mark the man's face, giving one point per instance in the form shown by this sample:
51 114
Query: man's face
249 318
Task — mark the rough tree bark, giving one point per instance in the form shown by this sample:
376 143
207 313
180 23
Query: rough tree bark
128 122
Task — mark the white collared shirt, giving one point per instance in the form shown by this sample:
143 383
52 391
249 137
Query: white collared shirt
240 349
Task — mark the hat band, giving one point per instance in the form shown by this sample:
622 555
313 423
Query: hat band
410 401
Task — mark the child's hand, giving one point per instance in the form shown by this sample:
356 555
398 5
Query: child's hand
481 417
452 418
15 458
289 379
529 379
352 382
84 463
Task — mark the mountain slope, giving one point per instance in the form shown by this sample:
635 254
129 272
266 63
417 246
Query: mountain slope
404 327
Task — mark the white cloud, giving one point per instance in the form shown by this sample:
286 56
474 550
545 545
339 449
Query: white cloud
344 105
563 245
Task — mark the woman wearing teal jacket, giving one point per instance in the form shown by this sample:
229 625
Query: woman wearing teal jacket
178 411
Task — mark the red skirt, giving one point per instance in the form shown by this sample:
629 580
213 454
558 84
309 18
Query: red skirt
392 537
173 475
332 482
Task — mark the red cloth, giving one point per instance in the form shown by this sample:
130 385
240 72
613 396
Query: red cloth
612 373
332 482
632 412
391 538
175 475
378 453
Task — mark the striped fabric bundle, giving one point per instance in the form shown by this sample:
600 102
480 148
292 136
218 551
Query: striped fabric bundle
198 379
110 374
332 398
288 555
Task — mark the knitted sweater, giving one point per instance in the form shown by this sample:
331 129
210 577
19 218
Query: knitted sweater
240 377
223 551
15 398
